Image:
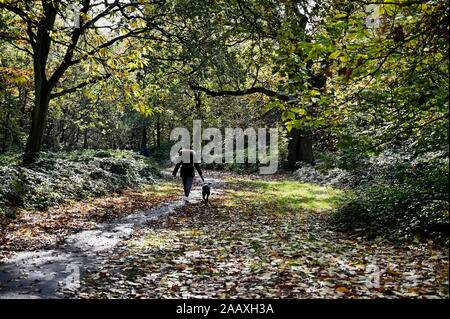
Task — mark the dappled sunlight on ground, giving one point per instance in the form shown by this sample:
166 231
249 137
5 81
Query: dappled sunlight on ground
263 239
290 194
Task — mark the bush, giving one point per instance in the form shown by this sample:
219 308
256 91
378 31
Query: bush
115 166
415 205
161 154
240 168
394 212
58 177
360 171
391 196
103 154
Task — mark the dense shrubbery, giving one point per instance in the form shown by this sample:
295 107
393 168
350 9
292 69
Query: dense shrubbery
391 196
246 168
358 171
235 167
58 177
161 154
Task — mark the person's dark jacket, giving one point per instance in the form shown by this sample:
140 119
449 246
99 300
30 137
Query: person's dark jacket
187 169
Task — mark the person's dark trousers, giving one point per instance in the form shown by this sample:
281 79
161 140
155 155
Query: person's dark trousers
187 184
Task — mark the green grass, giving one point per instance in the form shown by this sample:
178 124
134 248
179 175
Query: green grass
290 194
162 186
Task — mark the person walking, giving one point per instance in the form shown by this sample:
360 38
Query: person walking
186 160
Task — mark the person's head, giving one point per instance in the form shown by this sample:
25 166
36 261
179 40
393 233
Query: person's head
186 149
188 155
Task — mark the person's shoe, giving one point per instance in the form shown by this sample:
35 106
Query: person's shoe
186 199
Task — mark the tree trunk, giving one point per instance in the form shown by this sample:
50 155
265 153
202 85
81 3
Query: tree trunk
5 146
158 132
23 113
85 140
42 87
38 120
49 141
300 148
77 138
144 137
63 135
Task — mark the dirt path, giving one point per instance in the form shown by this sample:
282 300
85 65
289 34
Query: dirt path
260 239
49 273
252 241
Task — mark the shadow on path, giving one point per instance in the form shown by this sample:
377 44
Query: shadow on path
47 273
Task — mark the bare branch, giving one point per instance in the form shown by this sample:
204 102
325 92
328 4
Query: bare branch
252 90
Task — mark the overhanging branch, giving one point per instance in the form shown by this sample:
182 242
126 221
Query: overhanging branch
252 90
80 86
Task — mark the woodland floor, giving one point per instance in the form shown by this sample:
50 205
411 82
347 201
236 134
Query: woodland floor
259 237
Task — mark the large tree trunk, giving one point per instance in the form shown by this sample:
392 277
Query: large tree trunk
300 148
42 87
38 121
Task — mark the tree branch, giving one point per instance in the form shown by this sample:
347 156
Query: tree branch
252 90
80 86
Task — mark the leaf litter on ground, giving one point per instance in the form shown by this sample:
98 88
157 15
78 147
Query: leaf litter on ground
252 242
33 230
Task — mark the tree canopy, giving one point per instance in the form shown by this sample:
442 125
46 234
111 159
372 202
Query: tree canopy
363 73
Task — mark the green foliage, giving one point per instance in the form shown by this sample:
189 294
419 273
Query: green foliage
413 203
369 87
389 81
244 168
59 177
161 154
235 167
393 195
